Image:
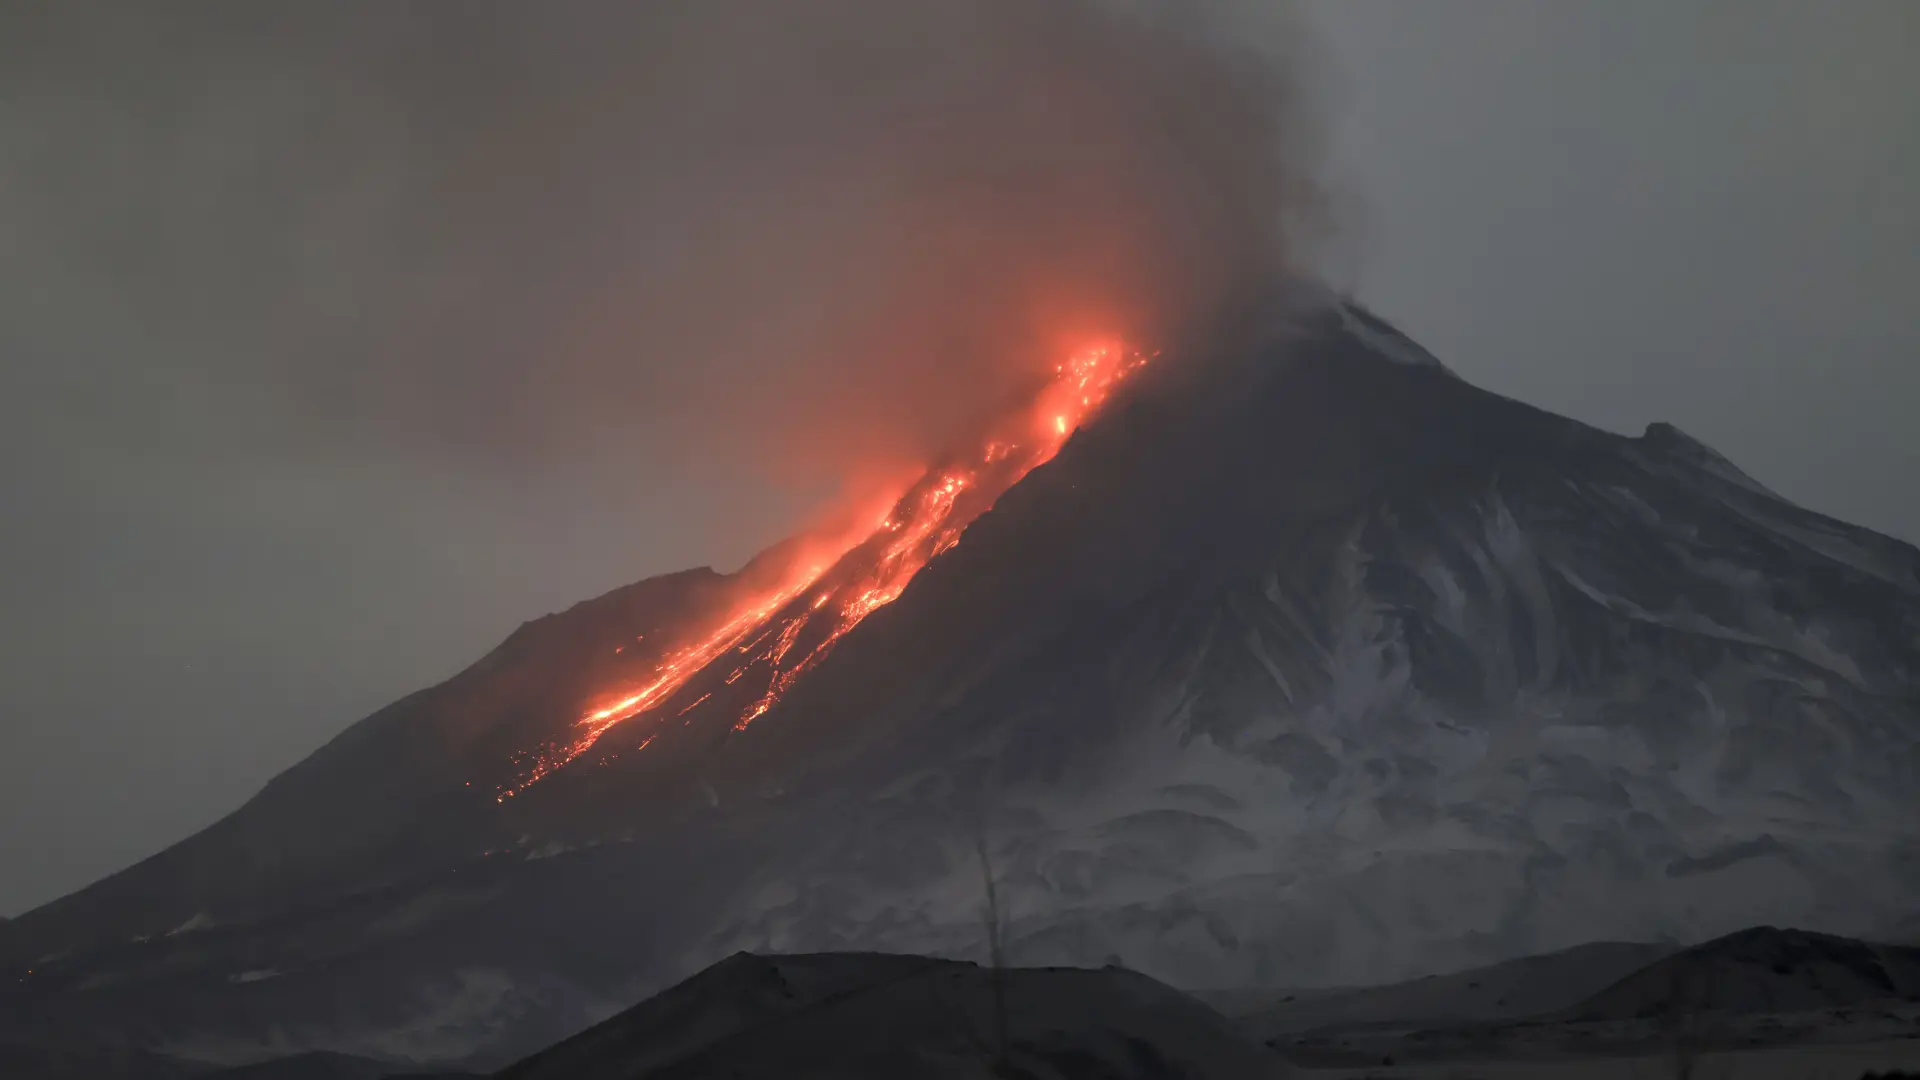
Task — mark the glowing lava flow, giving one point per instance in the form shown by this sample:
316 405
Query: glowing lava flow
852 576
684 663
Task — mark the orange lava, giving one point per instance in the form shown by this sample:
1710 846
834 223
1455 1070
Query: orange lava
857 572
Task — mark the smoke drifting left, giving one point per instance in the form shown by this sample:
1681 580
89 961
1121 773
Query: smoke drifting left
798 239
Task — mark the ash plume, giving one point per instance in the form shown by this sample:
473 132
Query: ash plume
802 239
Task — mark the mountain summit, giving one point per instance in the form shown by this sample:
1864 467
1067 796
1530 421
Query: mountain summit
1302 660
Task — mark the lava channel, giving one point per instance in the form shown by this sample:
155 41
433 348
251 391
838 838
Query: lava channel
772 637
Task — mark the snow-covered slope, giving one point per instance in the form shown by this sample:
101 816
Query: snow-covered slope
1511 685
1307 662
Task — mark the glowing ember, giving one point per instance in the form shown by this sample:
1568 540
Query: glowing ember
858 573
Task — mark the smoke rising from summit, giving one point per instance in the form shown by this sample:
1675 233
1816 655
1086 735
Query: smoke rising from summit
390 326
803 237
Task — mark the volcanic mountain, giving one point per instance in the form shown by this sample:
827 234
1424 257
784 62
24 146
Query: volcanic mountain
1285 657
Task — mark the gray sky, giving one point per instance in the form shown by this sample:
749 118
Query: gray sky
333 347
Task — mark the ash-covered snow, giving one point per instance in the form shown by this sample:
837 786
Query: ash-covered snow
1479 719
1335 670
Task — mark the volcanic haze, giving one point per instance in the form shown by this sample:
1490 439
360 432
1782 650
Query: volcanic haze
353 310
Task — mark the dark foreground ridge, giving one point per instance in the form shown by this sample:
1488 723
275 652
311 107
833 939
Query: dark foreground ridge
1827 1008
1817 999
1762 970
868 1015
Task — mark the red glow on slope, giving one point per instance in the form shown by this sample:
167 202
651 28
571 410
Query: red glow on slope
862 569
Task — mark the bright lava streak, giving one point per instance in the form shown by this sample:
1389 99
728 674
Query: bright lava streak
862 571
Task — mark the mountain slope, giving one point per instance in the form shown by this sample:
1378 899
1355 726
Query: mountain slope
392 795
1448 677
1305 662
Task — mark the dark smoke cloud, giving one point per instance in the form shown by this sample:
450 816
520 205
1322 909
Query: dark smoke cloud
804 235
337 338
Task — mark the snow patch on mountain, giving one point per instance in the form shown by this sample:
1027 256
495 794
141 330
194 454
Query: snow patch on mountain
1488 721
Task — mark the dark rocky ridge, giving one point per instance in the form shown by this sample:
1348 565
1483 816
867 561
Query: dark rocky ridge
1762 970
408 789
880 1016
1793 1003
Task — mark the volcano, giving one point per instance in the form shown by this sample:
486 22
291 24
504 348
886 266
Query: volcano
1285 657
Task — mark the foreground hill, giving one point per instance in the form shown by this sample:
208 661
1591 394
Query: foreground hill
1794 1003
1762 970
850 1015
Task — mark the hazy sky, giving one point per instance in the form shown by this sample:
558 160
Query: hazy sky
313 384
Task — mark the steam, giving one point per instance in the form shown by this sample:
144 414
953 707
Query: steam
801 239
